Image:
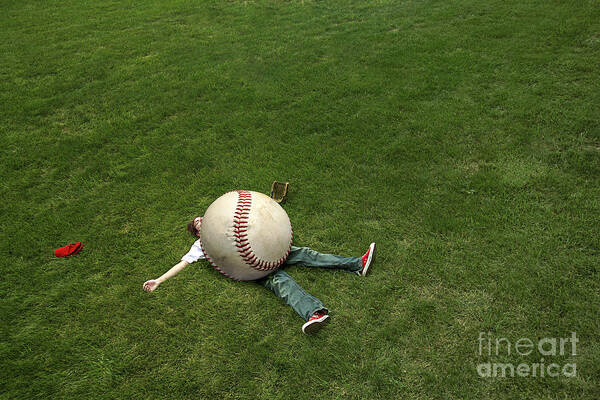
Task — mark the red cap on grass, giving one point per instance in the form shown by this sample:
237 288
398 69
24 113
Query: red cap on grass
69 250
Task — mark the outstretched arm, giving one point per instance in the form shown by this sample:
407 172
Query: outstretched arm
151 285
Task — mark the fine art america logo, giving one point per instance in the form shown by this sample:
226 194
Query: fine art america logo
551 348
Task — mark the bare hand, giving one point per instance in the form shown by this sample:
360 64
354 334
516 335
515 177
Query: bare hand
150 285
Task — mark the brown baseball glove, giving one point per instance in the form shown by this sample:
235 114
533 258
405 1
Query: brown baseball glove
279 191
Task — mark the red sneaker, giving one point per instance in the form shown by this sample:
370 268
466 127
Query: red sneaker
316 322
367 260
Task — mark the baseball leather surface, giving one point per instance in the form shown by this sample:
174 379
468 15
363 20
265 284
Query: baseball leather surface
245 235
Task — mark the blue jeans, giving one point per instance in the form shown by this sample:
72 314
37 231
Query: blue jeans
287 289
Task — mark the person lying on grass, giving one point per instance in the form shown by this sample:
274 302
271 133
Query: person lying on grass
279 282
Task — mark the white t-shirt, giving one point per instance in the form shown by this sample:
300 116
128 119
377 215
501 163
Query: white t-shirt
195 253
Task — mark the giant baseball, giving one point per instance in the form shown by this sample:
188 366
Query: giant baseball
245 235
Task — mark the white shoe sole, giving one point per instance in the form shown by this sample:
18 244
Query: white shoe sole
370 259
311 327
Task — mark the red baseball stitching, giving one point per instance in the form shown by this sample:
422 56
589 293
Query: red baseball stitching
242 242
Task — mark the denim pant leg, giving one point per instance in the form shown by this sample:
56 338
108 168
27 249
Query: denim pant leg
286 288
310 258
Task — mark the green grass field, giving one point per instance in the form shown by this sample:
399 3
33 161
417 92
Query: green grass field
462 136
